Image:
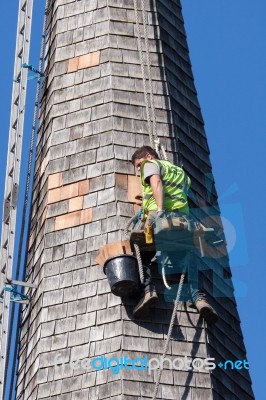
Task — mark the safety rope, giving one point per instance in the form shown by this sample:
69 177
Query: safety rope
138 255
206 340
170 330
155 143
136 220
148 59
163 271
142 64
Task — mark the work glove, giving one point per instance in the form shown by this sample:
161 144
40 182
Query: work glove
159 214
159 219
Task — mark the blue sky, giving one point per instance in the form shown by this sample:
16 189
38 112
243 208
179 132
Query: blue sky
228 53
227 49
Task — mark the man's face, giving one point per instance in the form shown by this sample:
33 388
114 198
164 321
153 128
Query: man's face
138 161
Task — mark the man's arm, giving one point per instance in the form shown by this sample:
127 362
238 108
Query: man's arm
157 189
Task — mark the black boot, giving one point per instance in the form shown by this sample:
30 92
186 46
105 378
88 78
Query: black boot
148 299
206 311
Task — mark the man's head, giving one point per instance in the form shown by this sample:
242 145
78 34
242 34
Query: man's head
143 153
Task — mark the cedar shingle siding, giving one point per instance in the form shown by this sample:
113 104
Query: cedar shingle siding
92 118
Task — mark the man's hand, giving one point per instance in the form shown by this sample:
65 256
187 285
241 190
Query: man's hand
139 199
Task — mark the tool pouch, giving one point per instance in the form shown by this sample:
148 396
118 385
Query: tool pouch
178 223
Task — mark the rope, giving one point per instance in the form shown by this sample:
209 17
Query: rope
143 74
149 69
152 127
170 330
141 273
138 255
164 254
135 220
206 340
155 143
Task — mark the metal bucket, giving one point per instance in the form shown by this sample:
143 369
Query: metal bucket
123 275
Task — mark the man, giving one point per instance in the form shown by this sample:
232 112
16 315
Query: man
165 189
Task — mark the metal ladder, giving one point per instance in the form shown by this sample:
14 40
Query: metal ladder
12 178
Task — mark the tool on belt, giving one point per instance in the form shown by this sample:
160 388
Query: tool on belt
148 231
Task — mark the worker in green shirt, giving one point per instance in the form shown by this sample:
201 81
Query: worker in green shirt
165 188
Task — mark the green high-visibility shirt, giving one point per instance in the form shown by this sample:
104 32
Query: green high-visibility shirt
175 185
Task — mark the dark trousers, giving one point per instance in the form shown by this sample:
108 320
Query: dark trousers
175 263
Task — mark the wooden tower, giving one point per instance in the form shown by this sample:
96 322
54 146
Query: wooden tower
93 116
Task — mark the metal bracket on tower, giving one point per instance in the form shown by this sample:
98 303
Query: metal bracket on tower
38 74
16 296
